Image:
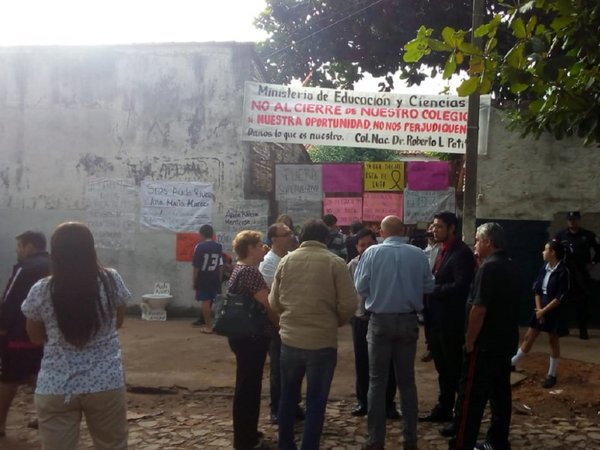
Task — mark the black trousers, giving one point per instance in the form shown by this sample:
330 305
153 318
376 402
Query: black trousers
485 377
580 301
446 348
361 366
250 355
275 374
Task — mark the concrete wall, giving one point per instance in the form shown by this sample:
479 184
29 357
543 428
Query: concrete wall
170 112
524 178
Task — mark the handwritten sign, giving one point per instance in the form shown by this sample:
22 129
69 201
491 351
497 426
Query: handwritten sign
239 216
427 176
346 209
162 287
301 211
305 115
175 206
298 182
384 176
376 206
109 212
243 216
342 178
420 206
184 246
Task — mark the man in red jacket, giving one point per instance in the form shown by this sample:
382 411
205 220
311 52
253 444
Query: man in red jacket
19 358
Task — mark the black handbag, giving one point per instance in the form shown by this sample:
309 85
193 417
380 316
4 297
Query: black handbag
238 315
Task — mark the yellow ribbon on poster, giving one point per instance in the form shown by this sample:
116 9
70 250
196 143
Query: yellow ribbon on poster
384 176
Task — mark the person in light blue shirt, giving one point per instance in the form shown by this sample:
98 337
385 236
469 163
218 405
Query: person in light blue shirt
393 278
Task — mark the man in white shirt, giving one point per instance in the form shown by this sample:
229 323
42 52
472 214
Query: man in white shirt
282 241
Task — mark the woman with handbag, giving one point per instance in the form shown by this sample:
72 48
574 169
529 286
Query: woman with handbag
75 313
250 350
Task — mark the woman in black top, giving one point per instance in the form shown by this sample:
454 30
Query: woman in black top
551 287
251 351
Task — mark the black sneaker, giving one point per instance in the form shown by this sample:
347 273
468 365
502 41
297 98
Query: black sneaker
448 430
549 382
198 323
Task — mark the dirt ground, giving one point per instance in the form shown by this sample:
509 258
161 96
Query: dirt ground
197 373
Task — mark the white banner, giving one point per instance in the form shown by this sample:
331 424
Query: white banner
420 206
110 205
175 206
304 115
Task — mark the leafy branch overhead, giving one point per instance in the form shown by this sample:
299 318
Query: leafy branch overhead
551 67
337 41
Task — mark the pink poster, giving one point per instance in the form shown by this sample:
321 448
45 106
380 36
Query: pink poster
346 209
342 178
427 176
377 205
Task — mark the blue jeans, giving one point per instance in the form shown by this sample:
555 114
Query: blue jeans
319 366
392 336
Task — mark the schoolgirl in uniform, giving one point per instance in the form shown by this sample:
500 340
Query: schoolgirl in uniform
551 288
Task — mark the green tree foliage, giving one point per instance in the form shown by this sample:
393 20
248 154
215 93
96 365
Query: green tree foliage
552 67
325 154
335 41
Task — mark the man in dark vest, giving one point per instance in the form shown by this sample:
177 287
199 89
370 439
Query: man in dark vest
20 359
453 269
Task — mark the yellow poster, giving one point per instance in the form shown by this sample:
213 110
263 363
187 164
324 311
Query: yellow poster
384 176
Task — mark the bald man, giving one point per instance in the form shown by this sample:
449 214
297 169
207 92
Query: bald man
392 278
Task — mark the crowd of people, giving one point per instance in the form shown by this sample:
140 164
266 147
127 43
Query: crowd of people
61 310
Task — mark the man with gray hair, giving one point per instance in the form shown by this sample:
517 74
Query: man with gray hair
392 277
492 335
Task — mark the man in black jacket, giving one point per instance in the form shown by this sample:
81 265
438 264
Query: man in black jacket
453 269
20 359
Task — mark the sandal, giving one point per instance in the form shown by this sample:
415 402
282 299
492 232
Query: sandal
206 330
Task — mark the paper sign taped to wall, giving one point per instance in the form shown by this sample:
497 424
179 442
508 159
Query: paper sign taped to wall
300 211
427 176
345 209
342 178
420 206
238 216
378 205
298 182
175 206
185 245
384 176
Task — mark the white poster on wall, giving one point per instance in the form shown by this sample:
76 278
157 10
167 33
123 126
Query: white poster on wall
420 206
109 206
248 215
298 182
301 211
175 206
